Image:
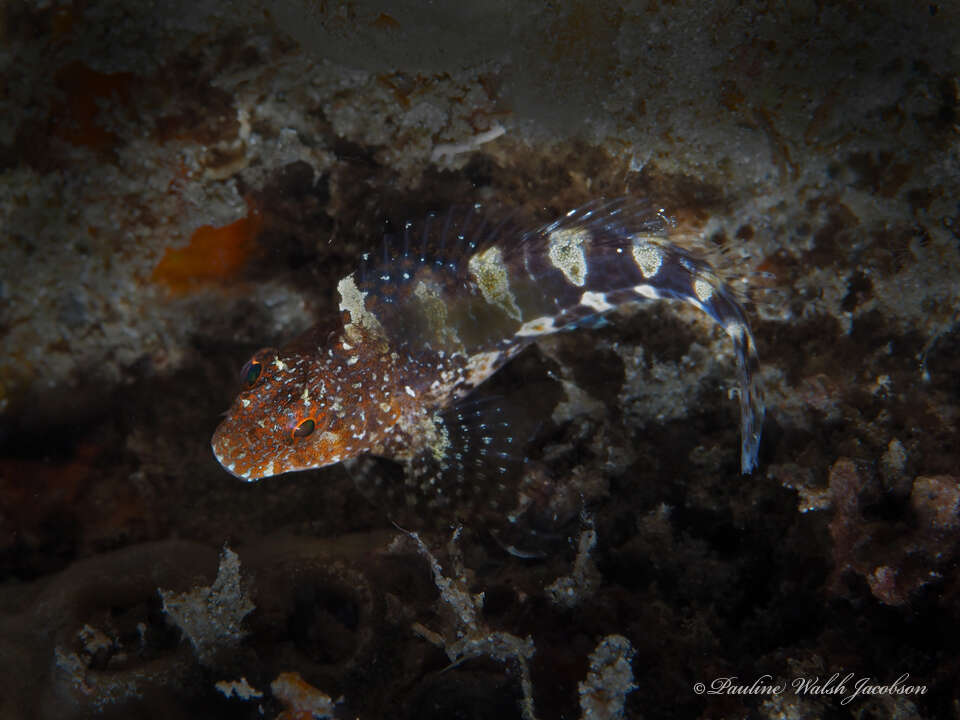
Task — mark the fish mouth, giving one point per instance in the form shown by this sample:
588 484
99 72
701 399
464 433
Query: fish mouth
250 473
226 453
231 467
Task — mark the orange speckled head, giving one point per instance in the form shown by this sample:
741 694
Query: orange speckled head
286 418
304 407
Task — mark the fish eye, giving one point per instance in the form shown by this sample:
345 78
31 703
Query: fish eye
251 373
304 428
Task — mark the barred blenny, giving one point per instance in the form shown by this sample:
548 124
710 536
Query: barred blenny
452 301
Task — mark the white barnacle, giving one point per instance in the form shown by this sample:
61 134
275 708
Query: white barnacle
352 360
279 364
245 402
306 397
567 254
649 257
490 274
407 389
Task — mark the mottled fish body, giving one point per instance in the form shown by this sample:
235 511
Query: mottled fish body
454 300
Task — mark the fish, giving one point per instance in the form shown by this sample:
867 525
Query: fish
452 300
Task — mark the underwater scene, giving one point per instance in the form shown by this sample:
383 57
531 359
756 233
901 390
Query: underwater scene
582 360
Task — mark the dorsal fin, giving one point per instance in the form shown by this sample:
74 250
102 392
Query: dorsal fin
418 285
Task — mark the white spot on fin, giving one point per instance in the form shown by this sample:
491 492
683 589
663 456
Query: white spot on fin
596 301
647 291
703 289
352 301
567 254
649 257
490 274
538 326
